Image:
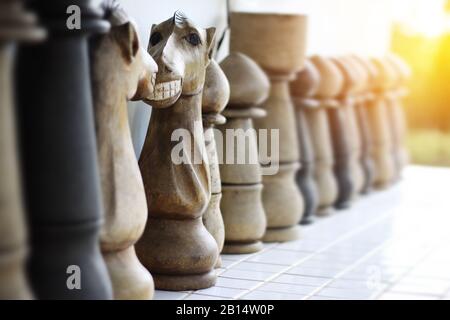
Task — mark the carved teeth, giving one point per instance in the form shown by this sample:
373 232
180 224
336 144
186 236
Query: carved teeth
166 90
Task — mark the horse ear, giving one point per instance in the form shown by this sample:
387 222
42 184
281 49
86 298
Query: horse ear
128 41
211 41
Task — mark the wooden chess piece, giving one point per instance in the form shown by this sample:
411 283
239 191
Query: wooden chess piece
302 90
317 120
242 209
380 127
216 93
59 162
351 127
261 37
332 85
121 70
362 96
175 246
16 25
396 110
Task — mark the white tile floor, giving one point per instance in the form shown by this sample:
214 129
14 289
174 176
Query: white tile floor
390 245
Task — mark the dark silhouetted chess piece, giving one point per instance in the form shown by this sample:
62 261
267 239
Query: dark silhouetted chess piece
58 152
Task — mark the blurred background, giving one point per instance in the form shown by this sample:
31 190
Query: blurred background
417 30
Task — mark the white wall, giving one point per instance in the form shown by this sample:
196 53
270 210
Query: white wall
336 27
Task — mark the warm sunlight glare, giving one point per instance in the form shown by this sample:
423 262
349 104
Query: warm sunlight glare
426 17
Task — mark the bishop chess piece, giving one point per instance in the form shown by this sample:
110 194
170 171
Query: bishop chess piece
362 96
316 118
396 112
332 86
121 70
242 209
380 126
302 91
176 247
216 93
16 26
59 162
281 54
351 127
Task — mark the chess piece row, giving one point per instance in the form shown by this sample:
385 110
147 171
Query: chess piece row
91 206
355 125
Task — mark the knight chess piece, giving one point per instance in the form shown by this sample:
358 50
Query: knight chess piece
396 111
316 118
362 96
59 163
351 127
332 86
121 70
176 247
261 36
16 25
216 93
380 127
302 90
242 209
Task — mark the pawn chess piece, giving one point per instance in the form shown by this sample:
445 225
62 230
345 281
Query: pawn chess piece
332 86
176 247
362 96
242 209
347 100
16 25
316 118
121 70
216 93
396 111
59 162
380 127
302 91
277 43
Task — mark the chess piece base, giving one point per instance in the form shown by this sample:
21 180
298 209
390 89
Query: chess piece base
324 211
185 282
282 234
242 248
125 269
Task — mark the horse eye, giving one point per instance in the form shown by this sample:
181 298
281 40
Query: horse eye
155 38
193 39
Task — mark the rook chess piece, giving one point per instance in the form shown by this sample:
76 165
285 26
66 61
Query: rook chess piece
121 70
216 93
175 246
62 185
302 91
16 25
242 210
277 43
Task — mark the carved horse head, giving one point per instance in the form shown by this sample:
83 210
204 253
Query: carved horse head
139 69
182 52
